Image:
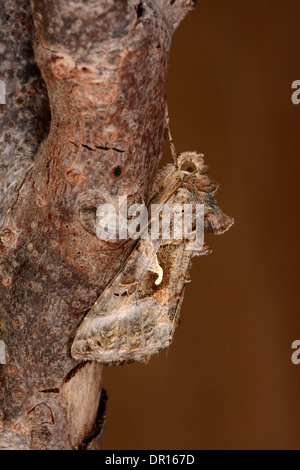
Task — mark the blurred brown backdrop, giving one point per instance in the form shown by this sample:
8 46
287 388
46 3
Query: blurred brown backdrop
227 381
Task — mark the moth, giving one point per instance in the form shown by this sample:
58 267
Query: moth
138 312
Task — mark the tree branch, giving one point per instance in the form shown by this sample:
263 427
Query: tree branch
105 68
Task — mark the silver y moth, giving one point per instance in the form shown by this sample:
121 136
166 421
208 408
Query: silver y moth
137 313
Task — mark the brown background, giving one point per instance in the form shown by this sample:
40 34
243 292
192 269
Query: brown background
227 382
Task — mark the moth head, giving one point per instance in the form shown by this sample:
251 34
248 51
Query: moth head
191 162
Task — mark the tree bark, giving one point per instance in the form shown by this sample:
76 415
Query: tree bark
104 64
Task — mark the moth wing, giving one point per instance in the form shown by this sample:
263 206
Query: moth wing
133 320
137 314
112 330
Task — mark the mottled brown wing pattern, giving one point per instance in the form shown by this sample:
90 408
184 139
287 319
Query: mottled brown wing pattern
135 317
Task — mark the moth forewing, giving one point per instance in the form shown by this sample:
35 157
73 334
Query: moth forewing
137 313
113 324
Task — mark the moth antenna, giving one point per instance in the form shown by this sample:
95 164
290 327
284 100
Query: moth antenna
172 147
171 143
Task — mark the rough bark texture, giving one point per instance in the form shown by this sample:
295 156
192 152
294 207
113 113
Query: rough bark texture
104 64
